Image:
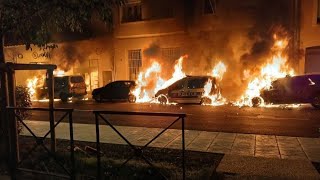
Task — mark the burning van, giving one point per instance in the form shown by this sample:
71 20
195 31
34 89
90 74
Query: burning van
65 87
189 89
292 90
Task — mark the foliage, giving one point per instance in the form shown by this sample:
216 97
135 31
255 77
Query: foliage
22 100
35 21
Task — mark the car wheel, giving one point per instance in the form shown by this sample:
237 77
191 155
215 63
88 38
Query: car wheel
205 101
64 97
256 101
97 98
316 102
132 98
162 99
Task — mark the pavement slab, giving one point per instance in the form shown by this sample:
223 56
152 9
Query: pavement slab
189 137
266 146
202 141
167 137
311 146
244 144
248 167
222 143
290 148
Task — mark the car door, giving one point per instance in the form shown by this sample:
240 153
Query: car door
275 93
107 91
195 89
176 91
116 90
124 89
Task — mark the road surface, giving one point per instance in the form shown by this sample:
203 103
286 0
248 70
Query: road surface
303 121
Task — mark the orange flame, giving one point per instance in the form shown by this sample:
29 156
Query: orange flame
276 67
144 92
214 99
33 84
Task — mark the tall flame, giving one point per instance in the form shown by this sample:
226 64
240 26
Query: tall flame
141 92
276 67
150 81
216 98
33 84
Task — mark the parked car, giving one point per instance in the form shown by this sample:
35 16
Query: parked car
117 90
187 90
65 87
292 90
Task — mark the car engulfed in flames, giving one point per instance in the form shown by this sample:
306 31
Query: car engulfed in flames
151 87
291 90
190 89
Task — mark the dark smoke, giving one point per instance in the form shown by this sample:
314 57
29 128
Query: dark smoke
69 54
153 51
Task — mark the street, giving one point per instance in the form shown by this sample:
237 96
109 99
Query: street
300 121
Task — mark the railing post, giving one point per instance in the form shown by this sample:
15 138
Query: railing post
72 146
51 109
98 146
14 145
183 151
4 138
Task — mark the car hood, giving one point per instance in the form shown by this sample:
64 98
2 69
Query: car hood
162 91
96 91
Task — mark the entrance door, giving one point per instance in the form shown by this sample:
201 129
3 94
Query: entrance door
106 77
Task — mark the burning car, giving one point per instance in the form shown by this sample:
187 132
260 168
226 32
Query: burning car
292 90
189 89
117 90
65 87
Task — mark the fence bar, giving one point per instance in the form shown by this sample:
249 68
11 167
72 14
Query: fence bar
4 152
51 110
42 109
98 146
142 113
72 147
183 151
13 136
44 173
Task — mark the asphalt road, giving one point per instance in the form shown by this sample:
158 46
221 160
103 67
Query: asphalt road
303 121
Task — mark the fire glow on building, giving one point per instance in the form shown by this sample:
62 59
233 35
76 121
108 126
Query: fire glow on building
151 79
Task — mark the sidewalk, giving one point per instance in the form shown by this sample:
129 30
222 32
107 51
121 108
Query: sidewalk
277 152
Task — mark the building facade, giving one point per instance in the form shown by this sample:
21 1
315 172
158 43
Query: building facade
310 36
207 31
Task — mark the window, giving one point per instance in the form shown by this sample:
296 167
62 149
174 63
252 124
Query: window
178 85
318 13
209 7
135 63
131 13
197 83
170 54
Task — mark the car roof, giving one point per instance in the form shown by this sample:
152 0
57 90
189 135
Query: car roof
123 81
191 76
195 77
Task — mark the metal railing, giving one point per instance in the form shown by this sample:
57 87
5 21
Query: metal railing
138 152
16 163
70 174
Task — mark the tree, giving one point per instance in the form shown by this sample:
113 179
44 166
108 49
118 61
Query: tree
34 22
23 100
